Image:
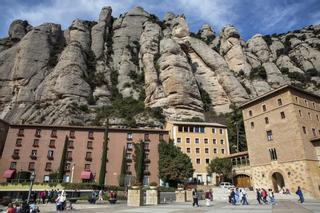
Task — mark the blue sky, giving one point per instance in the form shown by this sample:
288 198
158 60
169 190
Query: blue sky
249 16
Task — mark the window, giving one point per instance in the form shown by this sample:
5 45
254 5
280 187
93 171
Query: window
205 140
283 116
306 102
129 136
54 133
197 150
160 137
222 151
188 150
13 165
146 146
207 160
264 108
221 131
185 129
179 128
129 145
178 140
69 155
213 130
196 129
48 166
146 137
87 167
20 132
90 134
38 133
215 151
72 134
309 115
202 129
50 154
273 154
18 142
304 130
221 141
314 132
52 143
198 160
89 144
250 113
128 168
191 129
314 106
269 135
16 152
196 140
206 150
317 117
128 155
252 125
214 141
34 153
279 102
297 99
88 156
35 143
31 166
67 166
70 144
187 140
300 113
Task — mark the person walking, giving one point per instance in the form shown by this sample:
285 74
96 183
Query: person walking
264 196
233 197
237 195
208 198
258 196
42 196
244 197
300 194
195 197
100 195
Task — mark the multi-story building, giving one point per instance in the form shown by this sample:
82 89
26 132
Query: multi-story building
283 134
39 148
202 142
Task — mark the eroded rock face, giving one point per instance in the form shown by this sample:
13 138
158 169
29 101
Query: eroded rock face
52 76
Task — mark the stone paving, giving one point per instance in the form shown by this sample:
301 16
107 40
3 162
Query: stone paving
282 206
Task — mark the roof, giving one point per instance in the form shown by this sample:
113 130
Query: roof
280 89
98 128
197 123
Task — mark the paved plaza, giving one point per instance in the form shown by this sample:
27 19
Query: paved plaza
283 206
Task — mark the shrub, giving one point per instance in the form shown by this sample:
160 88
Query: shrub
284 70
258 72
84 108
267 39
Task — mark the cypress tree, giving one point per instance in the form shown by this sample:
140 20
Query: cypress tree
63 159
102 175
123 168
139 157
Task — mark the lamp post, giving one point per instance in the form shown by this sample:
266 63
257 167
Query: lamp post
237 129
32 177
72 171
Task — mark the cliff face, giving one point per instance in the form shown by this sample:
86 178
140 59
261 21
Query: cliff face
52 76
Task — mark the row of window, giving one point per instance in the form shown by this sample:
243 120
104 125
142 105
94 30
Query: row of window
48 167
54 133
197 140
309 115
264 107
52 143
306 102
196 129
206 150
198 161
266 119
304 130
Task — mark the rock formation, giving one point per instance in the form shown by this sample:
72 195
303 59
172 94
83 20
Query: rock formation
136 62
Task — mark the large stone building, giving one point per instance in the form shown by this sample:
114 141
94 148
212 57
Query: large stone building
283 134
202 142
39 148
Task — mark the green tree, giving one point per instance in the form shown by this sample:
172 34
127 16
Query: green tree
138 160
63 159
236 130
220 166
174 166
102 175
123 168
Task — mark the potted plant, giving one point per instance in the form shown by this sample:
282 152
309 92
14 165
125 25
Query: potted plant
135 183
180 186
153 185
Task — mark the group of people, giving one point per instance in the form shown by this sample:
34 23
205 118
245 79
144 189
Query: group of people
99 196
23 208
266 197
238 196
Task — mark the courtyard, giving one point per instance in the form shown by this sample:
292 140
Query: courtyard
282 206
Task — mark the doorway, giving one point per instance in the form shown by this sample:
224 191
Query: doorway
277 181
242 181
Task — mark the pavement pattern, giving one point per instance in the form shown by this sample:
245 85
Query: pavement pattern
281 206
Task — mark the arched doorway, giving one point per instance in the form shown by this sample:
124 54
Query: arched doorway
242 181
277 181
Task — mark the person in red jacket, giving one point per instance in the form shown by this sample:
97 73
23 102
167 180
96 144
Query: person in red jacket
10 208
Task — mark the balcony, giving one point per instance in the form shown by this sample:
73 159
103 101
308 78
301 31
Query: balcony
50 157
15 156
20 134
146 172
89 147
147 160
48 169
88 158
146 149
31 168
70 147
129 149
67 169
33 157
128 160
37 135
54 135
18 144
69 158
35 145
129 139
52 146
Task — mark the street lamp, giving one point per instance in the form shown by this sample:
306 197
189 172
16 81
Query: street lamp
32 177
237 129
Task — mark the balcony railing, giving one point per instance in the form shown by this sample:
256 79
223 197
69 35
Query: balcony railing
35 145
128 160
33 157
20 134
18 144
50 157
15 156
48 169
52 146
147 160
69 158
146 172
88 158
70 146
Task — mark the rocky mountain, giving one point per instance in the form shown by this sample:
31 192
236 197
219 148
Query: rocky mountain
135 68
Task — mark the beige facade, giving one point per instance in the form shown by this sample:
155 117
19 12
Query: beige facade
202 142
283 131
